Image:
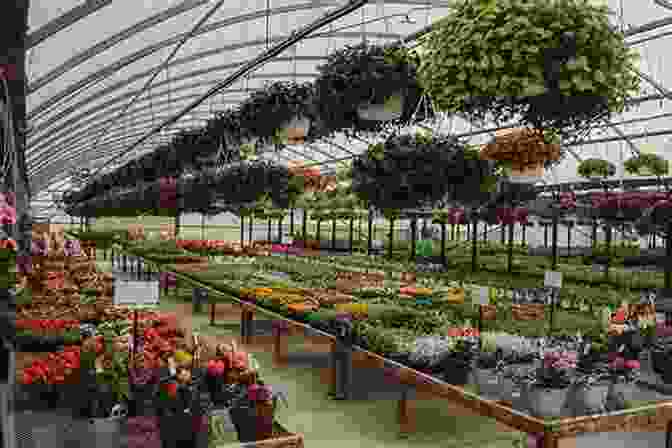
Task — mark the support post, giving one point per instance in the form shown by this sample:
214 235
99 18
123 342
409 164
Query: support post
443 244
369 247
554 236
510 254
414 236
474 245
351 234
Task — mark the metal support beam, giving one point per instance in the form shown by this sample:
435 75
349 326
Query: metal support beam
43 153
168 14
123 135
341 147
64 21
54 120
186 37
114 68
667 4
256 63
87 116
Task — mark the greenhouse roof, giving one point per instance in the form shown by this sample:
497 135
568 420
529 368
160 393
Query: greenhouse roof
109 80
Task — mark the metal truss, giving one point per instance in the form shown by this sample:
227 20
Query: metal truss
53 120
180 9
43 152
64 21
114 68
87 116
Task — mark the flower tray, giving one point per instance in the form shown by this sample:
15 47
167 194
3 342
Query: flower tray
527 312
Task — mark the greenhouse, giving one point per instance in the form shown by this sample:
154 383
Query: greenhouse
278 223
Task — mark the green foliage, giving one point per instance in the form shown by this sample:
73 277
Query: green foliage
645 164
494 52
596 167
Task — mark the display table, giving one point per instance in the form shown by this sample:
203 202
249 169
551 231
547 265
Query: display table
656 417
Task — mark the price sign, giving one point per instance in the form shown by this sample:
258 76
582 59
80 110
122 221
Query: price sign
553 279
129 293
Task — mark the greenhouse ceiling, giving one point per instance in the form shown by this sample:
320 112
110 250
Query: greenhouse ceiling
109 80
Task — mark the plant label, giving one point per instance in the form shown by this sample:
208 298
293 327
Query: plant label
553 279
129 293
483 297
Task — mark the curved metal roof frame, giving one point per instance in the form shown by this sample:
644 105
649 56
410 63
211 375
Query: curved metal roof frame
44 146
43 156
147 51
37 149
53 121
145 25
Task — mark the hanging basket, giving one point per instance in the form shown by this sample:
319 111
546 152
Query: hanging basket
528 311
297 129
391 110
526 174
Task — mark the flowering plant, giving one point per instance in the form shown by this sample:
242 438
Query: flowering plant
7 208
40 248
507 215
56 368
620 368
557 368
72 248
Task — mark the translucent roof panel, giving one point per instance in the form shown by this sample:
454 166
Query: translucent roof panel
90 65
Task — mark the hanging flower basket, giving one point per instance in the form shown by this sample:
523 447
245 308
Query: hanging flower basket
596 169
363 86
526 174
492 63
489 312
521 147
647 165
277 112
392 109
297 130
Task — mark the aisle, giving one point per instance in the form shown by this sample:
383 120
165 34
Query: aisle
370 420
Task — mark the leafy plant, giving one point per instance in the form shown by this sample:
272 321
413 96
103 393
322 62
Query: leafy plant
647 163
365 74
493 60
265 112
408 171
596 167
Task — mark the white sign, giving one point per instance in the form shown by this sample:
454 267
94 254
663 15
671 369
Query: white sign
130 293
483 296
553 279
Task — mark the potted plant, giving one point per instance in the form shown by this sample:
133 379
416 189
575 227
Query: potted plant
281 112
596 169
556 65
547 394
401 172
457 363
523 153
647 165
365 85
621 371
489 365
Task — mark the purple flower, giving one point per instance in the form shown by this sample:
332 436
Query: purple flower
40 248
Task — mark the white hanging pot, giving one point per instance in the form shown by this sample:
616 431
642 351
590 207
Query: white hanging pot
390 110
297 129
105 432
530 174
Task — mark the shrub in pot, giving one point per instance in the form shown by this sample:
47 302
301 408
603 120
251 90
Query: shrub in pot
497 60
358 77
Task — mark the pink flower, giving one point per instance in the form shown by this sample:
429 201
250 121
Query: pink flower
618 363
632 364
216 368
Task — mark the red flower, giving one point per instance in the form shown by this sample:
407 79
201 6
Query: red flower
170 389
